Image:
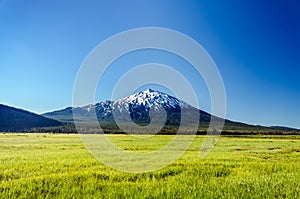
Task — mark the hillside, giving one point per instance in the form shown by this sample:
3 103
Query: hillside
13 119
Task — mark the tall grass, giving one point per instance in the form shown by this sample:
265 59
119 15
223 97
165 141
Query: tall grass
59 166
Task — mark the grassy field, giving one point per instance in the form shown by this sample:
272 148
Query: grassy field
47 166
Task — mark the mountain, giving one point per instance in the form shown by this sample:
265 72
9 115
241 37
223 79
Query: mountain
13 119
143 108
153 107
137 107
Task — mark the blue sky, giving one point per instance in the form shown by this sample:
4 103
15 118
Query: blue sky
255 44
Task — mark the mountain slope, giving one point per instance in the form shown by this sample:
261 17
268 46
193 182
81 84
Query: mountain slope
13 119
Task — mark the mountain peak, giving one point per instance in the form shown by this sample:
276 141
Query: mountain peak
148 90
151 98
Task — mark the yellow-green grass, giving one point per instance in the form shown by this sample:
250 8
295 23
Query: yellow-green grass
59 166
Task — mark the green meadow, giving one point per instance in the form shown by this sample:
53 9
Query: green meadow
59 166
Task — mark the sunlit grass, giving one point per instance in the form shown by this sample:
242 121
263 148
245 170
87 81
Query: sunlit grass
44 165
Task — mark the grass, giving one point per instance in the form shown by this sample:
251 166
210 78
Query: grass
59 166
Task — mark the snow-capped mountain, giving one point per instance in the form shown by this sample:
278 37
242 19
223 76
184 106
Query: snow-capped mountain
149 99
137 107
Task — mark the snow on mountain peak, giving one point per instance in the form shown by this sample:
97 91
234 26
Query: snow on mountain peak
150 98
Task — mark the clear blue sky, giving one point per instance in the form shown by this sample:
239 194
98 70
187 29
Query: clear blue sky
255 44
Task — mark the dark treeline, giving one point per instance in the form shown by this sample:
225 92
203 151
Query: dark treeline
112 128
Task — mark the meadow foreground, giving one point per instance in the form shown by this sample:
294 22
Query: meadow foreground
46 165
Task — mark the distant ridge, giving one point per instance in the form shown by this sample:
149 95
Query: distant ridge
14 119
